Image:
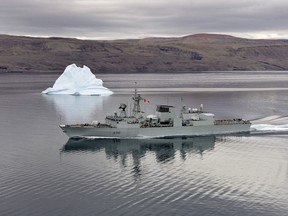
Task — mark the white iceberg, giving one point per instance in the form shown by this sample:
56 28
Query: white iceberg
78 81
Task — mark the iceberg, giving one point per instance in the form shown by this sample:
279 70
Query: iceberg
78 81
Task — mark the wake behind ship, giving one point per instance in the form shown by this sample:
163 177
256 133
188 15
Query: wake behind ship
164 123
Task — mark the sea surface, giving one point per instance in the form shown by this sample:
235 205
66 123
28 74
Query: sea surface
42 172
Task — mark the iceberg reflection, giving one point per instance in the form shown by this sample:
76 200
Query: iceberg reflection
75 109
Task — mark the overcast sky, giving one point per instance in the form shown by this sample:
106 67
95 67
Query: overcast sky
113 19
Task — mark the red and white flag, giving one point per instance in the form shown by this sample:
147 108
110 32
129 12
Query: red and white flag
146 101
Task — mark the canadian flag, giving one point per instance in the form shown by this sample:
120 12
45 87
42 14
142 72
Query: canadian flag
146 101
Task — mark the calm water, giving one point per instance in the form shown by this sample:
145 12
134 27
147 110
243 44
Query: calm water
44 173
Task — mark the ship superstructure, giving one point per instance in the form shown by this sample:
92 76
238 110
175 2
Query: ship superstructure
164 123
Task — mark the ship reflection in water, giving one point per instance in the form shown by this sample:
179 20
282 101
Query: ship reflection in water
164 149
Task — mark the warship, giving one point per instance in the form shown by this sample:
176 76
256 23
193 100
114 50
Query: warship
164 123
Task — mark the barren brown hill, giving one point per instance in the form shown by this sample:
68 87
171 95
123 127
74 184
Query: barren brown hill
201 52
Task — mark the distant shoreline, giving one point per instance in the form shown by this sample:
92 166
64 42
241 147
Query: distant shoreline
58 72
189 54
135 73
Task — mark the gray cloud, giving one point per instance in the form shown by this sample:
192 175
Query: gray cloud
134 19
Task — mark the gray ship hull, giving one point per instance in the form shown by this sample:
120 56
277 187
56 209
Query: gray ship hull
201 130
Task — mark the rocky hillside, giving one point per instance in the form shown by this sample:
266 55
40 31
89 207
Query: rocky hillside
201 52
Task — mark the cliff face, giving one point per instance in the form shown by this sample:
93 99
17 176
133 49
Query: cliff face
201 52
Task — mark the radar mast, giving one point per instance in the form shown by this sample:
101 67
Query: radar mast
136 98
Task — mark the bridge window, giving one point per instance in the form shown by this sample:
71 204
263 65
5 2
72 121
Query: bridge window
162 109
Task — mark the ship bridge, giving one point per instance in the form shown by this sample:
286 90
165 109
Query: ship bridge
165 113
